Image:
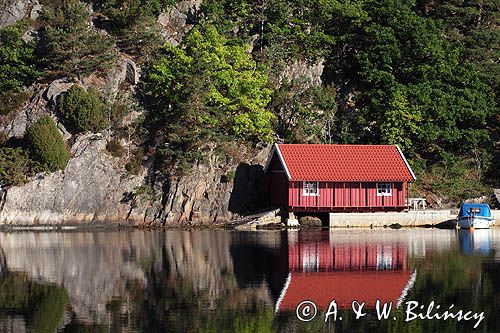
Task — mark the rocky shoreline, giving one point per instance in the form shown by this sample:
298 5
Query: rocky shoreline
95 188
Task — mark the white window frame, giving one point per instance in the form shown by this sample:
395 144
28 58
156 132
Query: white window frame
384 189
306 189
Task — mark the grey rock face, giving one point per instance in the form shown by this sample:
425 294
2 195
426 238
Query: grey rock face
95 188
496 196
22 119
124 69
132 72
90 189
302 69
310 221
12 11
36 10
174 23
206 196
56 88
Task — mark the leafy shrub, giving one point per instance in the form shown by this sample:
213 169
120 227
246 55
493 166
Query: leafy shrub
82 110
47 144
115 148
229 176
214 86
15 166
454 179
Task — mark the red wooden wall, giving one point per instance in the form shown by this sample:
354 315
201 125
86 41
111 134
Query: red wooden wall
345 195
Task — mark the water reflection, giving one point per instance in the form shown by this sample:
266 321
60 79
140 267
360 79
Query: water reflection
322 270
477 241
217 281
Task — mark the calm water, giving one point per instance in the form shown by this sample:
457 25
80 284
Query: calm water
215 281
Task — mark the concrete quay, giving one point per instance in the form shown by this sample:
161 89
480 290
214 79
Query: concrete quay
412 218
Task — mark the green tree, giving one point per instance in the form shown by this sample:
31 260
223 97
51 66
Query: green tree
304 113
410 84
401 121
82 110
127 12
70 46
47 144
209 89
214 84
17 66
473 24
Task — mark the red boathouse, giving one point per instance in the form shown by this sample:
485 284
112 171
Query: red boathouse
331 177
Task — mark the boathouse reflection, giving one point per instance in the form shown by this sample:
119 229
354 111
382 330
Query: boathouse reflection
322 270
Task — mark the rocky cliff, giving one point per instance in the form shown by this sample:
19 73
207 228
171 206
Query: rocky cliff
95 188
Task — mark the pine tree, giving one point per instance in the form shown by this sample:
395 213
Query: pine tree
70 46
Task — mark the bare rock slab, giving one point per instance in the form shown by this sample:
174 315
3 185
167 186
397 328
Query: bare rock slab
90 189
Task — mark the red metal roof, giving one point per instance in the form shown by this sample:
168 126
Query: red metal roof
323 162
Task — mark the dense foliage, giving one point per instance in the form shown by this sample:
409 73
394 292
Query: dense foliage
133 23
210 89
47 145
17 66
405 73
82 110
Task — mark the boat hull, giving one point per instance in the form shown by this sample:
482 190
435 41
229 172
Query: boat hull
476 222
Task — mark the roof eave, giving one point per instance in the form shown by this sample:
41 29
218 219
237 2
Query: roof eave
276 150
406 162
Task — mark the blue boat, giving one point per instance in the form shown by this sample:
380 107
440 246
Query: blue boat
474 215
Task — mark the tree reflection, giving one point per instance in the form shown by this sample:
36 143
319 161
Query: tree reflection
42 305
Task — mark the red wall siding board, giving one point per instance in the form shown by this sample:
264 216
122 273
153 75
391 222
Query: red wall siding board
361 195
332 194
321 200
379 202
345 195
324 195
292 197
354 194
296 189
401 193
